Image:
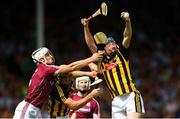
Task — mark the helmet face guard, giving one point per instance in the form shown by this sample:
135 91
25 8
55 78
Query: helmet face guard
83 78
39 53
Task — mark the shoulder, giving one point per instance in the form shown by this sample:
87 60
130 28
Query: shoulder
49 68
124 51
47 65
41 65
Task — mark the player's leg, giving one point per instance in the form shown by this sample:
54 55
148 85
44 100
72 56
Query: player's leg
19 111
135 106
118 108
34 112
118 114
134 115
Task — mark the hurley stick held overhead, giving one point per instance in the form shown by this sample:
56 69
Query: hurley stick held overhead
100 38
103 10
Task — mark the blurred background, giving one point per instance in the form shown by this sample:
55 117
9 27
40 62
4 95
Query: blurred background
154 52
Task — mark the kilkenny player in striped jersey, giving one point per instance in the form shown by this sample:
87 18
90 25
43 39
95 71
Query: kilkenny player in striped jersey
127 101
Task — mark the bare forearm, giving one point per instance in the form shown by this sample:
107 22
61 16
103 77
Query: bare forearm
127 34
128 30
89 40
77 65
80 73
80 64
78 104
83 101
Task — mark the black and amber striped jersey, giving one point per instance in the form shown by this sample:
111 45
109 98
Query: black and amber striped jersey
57 96
117 74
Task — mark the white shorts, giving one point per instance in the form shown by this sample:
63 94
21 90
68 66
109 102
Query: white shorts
121 105
25 110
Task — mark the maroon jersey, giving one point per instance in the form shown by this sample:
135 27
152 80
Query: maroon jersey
87 111
41 84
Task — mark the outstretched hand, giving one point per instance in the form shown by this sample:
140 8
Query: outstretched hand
98 56
95 92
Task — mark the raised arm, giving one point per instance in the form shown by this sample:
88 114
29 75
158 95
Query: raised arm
88 37
127 30
78 104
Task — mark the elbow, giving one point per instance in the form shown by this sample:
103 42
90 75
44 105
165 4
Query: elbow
74 108
92 48
126 43
71 104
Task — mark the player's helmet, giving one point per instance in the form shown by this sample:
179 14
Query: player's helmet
39 53
83 78
110 40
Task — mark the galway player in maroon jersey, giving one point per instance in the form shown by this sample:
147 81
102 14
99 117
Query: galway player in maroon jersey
43 79
91 109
